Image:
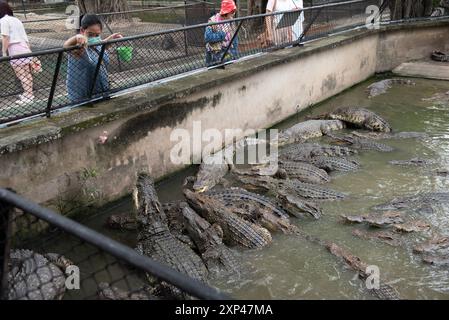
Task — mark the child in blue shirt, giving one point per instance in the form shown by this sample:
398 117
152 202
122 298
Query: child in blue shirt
82 63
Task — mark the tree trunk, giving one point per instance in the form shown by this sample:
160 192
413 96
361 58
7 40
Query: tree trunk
97 6
404 9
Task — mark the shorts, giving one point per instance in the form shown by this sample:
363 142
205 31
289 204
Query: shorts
19 48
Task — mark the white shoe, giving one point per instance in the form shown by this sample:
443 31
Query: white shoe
23 99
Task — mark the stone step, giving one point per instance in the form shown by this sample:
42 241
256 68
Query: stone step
424 69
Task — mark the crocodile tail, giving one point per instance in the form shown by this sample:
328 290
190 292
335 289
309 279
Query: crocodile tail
324 116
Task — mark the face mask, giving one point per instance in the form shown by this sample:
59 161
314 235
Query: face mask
93 40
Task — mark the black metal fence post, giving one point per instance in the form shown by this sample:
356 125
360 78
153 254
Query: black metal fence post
5 237
97 70
231 41
53 84
186 48
309 26
383 6
24 9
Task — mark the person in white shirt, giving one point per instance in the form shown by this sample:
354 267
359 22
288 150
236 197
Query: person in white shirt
287 34
14 42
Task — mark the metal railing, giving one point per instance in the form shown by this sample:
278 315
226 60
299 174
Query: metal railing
71 77
31 235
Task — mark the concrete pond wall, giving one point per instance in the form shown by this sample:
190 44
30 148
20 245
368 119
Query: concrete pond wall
61 162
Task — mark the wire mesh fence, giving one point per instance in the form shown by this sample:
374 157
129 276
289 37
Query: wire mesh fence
50 32
54 79
31 9
45 256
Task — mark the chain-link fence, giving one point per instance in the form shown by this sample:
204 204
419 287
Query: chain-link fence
30 9
54 79
45 256
46 31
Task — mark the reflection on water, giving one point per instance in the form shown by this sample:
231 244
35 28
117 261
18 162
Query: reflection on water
294 269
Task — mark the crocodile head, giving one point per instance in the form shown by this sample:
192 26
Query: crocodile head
294 205
202 232
121 222
209 175
283 138
395 204
199 202
148 208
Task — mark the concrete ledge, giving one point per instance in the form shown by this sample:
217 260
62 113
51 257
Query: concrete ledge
424 69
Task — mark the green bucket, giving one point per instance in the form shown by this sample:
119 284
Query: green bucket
125 53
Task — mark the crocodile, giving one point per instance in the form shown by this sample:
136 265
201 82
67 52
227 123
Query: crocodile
302 189
334 164
307 130
382 86
174 220
121 222
304 151
236 231
261 216
302 171
412 226
296 205
255 211
416 162
389 135
436 260
210 175
361 143
108 292
434 244
441 98
34 276
420 203
289 202
155 240
358 117
209 241
388 218
388 237
214 167
384 292
238 194
253 207
442 172
262 169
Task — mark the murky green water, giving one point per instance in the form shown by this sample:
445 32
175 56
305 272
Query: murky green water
292 268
